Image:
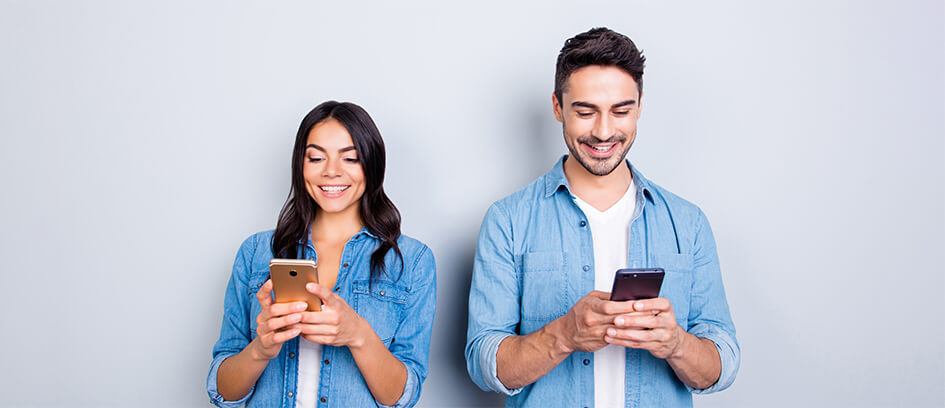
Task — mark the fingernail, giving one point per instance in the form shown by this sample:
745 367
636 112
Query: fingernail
310 286
638 305
301 306
618 321
611 332
296 317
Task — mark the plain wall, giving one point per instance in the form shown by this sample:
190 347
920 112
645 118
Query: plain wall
143 141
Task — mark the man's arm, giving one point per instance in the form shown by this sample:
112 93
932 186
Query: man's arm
522 360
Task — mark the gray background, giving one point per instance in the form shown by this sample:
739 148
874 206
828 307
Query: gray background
142 142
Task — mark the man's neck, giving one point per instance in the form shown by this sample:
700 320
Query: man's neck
601 192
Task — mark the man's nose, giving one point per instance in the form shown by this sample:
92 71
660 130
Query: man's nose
604 127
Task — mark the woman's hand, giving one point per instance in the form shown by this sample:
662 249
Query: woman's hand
337 324
275 324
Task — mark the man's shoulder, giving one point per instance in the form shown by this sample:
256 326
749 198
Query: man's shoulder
522 199
675 204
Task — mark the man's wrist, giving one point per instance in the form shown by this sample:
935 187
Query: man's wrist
559 338
679 353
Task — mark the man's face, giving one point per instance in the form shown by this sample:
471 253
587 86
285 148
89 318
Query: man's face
599 113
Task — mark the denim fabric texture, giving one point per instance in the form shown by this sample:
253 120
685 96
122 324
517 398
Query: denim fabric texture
535 259
399 305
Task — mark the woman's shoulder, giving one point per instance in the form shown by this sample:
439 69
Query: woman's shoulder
418 257
256 251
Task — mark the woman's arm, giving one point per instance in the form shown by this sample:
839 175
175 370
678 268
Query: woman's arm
275 324
339 325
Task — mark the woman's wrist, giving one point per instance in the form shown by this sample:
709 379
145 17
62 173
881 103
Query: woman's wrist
363 334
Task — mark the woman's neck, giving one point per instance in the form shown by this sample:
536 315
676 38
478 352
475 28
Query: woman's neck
336 227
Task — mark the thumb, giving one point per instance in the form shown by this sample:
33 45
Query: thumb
320 291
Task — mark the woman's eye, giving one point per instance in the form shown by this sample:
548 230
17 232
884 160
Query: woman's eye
314 159
351 159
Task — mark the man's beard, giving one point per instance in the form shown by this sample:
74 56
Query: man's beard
595 166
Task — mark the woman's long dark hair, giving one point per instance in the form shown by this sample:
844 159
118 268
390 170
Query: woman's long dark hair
378 213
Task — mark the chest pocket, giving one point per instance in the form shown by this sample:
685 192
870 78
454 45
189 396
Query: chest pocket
544 286
256 280
382 304
677 283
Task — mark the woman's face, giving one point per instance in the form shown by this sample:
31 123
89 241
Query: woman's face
332 169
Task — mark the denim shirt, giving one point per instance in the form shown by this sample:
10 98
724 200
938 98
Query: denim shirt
398 305
535 260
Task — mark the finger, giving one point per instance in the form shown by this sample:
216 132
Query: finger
285 335
264 294
639 321
655 305
650 346
322 292
636 335
282 309
320 339
612 308
277 323
600 295
320 329
324 317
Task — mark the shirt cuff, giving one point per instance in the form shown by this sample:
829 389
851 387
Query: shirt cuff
215 397
729 356
408 398
488 353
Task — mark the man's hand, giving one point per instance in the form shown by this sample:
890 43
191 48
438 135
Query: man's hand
584 326
650 325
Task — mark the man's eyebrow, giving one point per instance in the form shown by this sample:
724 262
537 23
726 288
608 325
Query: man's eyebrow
580 104
628 102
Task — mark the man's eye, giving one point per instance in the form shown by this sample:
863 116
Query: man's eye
585 114
621 113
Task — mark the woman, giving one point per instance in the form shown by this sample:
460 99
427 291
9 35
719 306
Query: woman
369 345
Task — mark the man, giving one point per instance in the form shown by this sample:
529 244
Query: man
541 326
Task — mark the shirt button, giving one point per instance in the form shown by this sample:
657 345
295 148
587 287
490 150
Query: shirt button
290 394
587 362
582 223
327 362
587 267
323 399
291 355
382 293
337 288
259 285
345 265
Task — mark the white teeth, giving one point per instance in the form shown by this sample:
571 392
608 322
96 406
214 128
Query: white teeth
601 148
333 189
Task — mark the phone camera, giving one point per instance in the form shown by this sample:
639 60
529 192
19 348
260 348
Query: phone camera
293 273
634 275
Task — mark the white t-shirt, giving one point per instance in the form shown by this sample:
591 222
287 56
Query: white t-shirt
610 230
310 356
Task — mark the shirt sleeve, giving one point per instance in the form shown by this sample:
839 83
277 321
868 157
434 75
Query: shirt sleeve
412 339
709 312
234 332
494 298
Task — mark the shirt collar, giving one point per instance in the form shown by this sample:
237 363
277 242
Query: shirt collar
555 179
307 239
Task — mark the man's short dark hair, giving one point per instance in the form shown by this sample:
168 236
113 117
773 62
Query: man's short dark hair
598 46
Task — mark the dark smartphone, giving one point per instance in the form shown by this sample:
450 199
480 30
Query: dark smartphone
637 283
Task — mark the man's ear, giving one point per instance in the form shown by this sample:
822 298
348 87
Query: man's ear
556 107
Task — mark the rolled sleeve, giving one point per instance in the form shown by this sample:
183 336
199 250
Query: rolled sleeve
412 344
709 312
729 355
493 301
234 331
215 396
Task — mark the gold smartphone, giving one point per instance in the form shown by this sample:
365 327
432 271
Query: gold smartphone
289 277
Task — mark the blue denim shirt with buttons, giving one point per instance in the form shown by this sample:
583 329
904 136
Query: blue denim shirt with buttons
535 259
399 305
